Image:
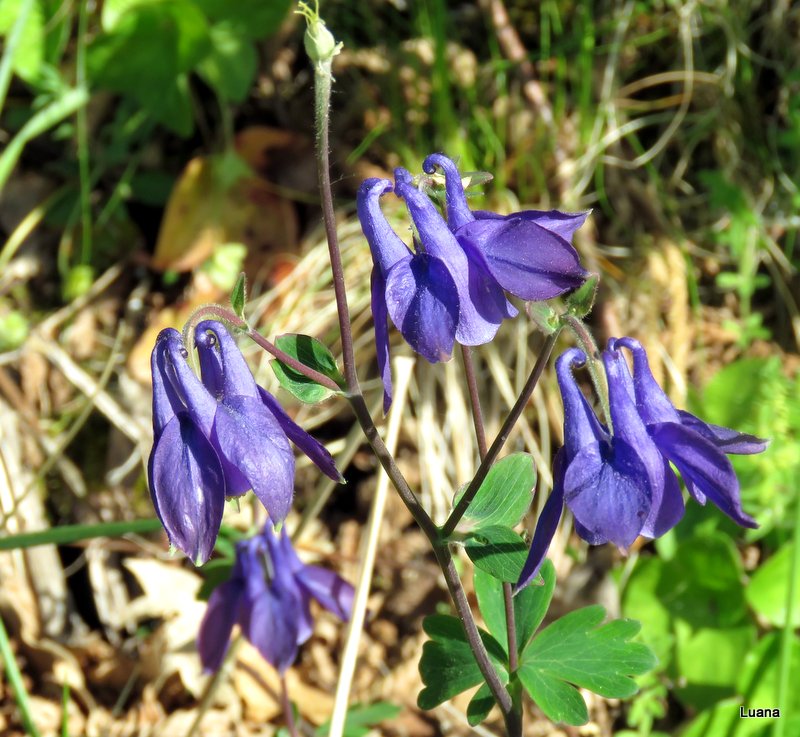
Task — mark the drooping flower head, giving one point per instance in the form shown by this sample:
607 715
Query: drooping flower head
450 288
433 295
217 436
618 481
268 595
528 253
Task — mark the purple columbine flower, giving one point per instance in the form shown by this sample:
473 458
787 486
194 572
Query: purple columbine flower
528 253
434 295
215 437
268 595
696 448
619 484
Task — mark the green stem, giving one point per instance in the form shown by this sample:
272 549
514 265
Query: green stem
82 129
15 681
787 635
69 534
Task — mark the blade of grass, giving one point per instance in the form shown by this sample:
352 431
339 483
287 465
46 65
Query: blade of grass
67 534
45 119
787 636
15 680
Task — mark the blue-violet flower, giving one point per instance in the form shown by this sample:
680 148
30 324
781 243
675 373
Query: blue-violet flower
619 484
268 595
216 437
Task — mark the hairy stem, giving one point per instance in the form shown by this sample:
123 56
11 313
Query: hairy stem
322 99
502 436
480 435
322 86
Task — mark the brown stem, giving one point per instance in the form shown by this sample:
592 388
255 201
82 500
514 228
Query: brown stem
502 436
480 434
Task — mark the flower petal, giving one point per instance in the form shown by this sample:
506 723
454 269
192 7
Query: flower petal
329 589
247 436
581 426
458 212
546 525
703 466
380 316
236 378
315 450
214 635
386 246
526 259
608 491
561 223
727 440
666 508
166 401
651 401
270 622
188 487
423 302
478 294
200 404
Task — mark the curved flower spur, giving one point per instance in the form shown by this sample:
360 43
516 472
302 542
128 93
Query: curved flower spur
617 481
451 288
216 437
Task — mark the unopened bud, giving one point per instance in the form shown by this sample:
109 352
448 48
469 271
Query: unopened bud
319 42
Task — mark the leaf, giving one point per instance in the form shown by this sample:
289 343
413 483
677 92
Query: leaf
447 665
239 295
172 31
231 63
254 19
709 662
310 352
505 494
480 705
575 651
769 587
530 605
30 49
702 583
497 550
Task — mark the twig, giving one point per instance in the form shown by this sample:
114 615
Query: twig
502 436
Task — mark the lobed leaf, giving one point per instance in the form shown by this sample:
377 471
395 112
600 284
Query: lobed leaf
310 352
497 550
447 665
577 650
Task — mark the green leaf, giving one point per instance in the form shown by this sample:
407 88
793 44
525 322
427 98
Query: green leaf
702 583
499 551
310 352
530 605
239 295
641 601
230 66
577 650
709 662
253 19
361 718
447 665
505 494
480 705
769 587
172 31
30 48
